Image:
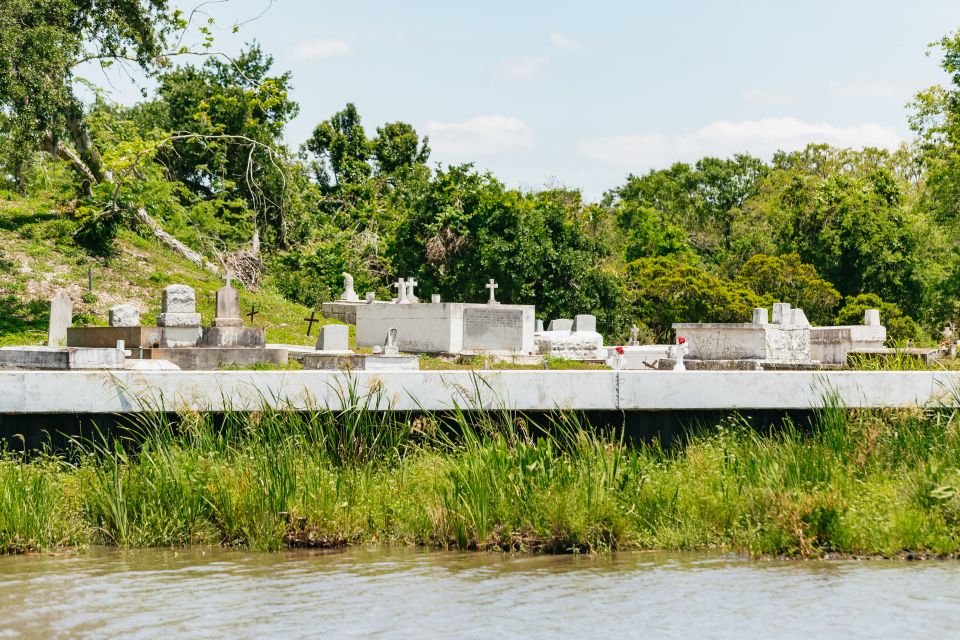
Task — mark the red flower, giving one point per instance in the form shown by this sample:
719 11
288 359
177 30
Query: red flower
681 340
619 350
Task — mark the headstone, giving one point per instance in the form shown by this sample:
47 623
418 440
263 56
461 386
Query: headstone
411 285
538 327
228 306
796 317
780 310
334 337
124 315
759 315
492 285
61 317
497 329
348 294
584 322
179 307
371 297
560 324
435 298
401 286
390 345
634 336
871 317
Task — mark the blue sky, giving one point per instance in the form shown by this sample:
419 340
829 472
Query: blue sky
581 94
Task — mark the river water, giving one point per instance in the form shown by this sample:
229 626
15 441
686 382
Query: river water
407 593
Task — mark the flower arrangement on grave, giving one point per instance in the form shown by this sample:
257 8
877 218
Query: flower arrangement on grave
619 351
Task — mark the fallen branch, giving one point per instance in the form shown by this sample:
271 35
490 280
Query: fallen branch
173 243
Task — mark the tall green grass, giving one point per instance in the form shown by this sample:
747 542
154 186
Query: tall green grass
853 482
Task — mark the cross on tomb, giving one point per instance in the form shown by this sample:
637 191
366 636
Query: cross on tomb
411 285
253 313
401 286
492 285
313 318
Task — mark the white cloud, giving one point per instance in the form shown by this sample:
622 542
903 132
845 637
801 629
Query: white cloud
564 41
321 49
758 137
480 136
768 96
525 67
873 90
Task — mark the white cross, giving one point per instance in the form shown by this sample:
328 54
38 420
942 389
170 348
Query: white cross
411 283
492 285
401 286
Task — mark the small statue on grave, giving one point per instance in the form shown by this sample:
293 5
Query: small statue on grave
634 336
390 345
348 295
679 350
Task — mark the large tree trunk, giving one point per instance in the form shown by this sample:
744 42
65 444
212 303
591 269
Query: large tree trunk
83 143
56 148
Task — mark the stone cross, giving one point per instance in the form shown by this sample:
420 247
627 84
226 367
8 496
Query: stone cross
634 336
61 317
492 285
401 286
411 284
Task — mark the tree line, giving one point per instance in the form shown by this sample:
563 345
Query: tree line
203 156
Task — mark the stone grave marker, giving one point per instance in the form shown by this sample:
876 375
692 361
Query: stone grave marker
390 345
124 315
61 317
228 306
411 285
584 322
492 285
179 307
334 337
492 329
560 324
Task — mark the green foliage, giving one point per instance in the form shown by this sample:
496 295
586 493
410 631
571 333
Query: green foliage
786 279
665 291
900 327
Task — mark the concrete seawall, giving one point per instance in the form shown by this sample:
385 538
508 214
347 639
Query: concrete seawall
105 392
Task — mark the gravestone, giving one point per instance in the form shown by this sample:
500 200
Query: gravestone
124 315
61 317
560 324
334 337
760 316
871 318
538 326
634 336
780 309
401 286
435 298
228 307
179 307
492 329
348 295
584 322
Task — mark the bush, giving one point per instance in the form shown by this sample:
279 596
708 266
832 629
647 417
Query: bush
900 327
787 279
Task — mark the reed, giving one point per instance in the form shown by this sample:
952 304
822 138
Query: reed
852 482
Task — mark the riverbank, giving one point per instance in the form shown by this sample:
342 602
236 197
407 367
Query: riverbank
859 482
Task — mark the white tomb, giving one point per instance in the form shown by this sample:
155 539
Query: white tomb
572 339
786 340
449 327
831 345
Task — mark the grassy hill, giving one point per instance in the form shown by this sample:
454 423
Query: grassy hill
38 257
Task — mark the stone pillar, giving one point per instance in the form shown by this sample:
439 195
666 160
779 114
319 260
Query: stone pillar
179 308
780 310
759 315
871 317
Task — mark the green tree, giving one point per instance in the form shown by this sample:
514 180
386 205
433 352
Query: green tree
665 291
900 327
787 279
43 43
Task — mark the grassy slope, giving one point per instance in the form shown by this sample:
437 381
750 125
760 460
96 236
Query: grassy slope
38 257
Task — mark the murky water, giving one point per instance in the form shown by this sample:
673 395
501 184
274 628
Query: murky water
417 594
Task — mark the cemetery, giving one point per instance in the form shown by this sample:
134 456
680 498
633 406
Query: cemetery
773 361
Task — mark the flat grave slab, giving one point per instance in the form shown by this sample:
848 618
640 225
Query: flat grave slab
60 358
